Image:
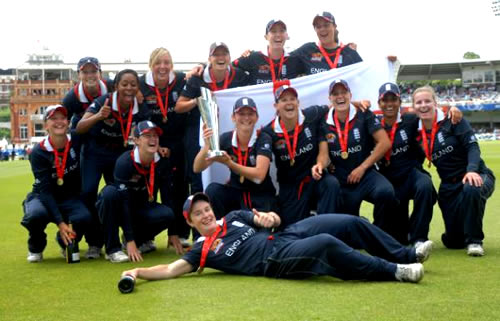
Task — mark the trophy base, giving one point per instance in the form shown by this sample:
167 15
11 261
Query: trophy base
215 153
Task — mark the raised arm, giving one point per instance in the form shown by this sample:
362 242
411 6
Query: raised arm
185 104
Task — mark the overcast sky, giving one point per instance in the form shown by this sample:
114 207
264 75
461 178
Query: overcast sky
416 31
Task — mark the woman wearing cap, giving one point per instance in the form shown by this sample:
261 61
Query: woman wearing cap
91 85
328 53
402 166
56 192
247 153
466 182
241 243
295 135
273 63
218 75
130 201
161 87
77 100
108 122
355 141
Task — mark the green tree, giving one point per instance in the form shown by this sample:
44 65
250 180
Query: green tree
471 55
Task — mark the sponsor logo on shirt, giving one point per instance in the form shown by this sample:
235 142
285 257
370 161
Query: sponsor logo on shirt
317 70
150 100
330 138
109 121
252 159
300 151
280 144
216 246
232 249
263 69
350 150
442 152
316 56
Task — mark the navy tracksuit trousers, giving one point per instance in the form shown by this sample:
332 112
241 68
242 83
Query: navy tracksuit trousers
325 245
417 186
225 198
296 200
36 218
376 189
147 219
463 208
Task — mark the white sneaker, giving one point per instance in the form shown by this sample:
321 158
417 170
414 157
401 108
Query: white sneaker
410 272
475 249
423 250
147 247
35 257
93 252
117 257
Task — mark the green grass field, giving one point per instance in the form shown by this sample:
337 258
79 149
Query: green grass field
455 286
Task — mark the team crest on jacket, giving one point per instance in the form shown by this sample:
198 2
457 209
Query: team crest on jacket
316 56
72 153
357 135
252 159
216 245
307 131
403 134
330 137
441 138
175 95
110 121
280 144
283 71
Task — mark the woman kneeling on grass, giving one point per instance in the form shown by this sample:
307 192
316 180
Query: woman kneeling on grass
466 182
318 245
55 163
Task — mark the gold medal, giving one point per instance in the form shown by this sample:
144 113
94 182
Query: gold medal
151 198
164 119
242 179
292 162
344 155
200 270
60 181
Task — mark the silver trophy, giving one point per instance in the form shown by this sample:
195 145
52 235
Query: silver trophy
210 114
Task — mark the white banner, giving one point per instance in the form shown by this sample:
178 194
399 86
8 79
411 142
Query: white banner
364 79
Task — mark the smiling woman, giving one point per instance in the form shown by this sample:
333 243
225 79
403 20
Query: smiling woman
247 153
218 75
107 123
55 163
466 182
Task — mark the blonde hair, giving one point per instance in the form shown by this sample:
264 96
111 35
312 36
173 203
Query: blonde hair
157 54
425 88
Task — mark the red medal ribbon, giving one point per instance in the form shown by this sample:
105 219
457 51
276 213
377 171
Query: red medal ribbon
391 136
428 152
343 138
125 133
89 97
271 65
291 151
163 106
208 243
325 54
241 160
60 166
213 84
151 184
